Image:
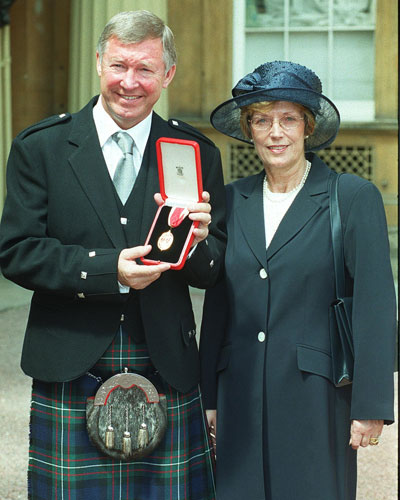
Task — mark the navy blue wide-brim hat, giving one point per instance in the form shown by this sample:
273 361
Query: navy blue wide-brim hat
280 81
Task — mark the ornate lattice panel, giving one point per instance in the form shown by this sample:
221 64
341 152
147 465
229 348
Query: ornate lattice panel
359 160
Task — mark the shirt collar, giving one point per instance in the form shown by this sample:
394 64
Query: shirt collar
106 127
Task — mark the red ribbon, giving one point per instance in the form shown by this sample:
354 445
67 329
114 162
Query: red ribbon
176 216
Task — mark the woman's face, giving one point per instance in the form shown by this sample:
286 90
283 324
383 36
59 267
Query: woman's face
280 148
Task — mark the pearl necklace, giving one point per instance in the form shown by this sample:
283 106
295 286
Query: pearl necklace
267 193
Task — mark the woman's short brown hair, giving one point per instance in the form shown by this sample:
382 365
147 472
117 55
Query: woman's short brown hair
247 112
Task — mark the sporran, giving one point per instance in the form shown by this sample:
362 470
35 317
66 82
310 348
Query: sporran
127 418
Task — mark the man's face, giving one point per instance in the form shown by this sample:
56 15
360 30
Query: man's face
132 77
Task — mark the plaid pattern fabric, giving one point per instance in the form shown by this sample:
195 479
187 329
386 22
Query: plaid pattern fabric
64 465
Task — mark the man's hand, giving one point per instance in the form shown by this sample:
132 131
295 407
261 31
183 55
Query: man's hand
134 275
200 212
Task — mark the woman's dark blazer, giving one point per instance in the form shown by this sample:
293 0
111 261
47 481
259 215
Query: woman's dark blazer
283 428
61 234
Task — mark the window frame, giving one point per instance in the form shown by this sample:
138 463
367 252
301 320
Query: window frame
350 110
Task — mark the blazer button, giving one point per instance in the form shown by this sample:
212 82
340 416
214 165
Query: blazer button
212 263
261 336
263 274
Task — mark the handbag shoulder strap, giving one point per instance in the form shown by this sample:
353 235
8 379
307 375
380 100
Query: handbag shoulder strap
337 236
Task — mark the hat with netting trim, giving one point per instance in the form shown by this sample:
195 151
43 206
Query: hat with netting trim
280 81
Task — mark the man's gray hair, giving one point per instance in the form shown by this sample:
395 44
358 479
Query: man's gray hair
137 26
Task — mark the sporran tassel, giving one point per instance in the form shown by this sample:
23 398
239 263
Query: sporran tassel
143 436
127 440
127 443
110 435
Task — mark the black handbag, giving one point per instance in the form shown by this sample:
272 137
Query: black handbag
340 311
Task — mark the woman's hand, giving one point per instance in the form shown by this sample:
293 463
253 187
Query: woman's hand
362 431
212 424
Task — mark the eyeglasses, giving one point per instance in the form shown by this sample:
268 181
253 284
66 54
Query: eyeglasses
287 122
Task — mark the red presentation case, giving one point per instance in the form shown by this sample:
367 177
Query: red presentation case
179 170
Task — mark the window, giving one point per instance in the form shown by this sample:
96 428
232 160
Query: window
335 38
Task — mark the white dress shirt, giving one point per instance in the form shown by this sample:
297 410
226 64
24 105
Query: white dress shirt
275 207
106 127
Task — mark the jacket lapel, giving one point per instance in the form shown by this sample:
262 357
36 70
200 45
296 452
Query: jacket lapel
151 185
159 128
250 211
87 161
306 204
251 216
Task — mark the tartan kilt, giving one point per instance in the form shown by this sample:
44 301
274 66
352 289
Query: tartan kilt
64 464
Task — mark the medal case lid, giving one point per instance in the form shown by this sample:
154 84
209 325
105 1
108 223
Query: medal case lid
179 169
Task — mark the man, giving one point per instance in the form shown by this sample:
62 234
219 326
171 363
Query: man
70 236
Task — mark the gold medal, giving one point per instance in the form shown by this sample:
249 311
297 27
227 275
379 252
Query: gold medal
175 217
165 240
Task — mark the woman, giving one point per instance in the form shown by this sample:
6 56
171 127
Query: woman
285 431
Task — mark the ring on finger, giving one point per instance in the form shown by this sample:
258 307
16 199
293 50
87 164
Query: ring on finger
373 441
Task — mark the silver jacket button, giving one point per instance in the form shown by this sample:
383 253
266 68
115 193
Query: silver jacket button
263 274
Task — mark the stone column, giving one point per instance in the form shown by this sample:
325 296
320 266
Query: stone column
386 60
5 106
